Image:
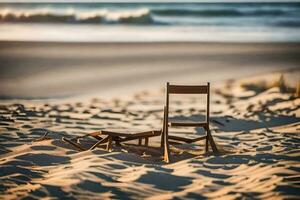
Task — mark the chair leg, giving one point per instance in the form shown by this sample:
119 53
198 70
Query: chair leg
212 142
109 144
162 141
146 141
167 153
166 148
206 143
164 138
140 141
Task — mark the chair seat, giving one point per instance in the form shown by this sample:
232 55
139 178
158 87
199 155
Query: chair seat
130 133
189 123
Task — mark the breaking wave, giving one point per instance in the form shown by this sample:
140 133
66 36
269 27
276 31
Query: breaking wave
147 15
139 16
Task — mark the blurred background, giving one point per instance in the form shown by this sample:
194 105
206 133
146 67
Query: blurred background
63 49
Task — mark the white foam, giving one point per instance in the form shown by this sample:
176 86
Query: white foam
122 33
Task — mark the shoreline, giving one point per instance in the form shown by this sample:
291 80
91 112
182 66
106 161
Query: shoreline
292 43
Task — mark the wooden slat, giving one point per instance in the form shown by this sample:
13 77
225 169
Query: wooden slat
199 138
175 143
104 140
187 140
183 139
188 89
126 139
128 133
73 143
93 134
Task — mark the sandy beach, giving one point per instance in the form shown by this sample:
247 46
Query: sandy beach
70 89
47 70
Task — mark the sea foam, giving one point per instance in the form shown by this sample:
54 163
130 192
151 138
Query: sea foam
137 16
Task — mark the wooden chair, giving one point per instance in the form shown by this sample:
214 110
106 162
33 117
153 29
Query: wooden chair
118 136
168 138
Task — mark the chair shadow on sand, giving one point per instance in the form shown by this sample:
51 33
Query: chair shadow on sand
227 124
220 124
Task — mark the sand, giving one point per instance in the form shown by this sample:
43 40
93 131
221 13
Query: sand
255 122
47 70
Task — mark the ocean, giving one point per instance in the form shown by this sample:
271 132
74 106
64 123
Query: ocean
150 22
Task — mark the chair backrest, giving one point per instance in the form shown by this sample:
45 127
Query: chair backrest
188 89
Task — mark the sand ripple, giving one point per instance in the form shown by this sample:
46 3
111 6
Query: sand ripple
258 136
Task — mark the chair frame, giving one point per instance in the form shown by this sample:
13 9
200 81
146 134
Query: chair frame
108 136
186 89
